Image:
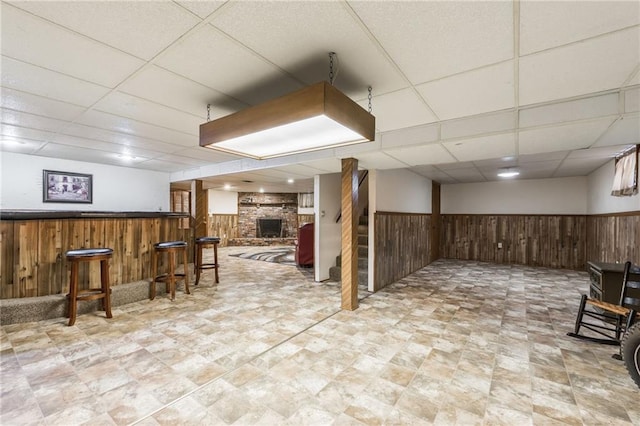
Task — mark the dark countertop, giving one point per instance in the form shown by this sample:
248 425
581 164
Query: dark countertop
66 214
604 266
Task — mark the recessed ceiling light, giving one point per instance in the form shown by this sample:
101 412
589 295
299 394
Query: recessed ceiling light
227 186
507 173
289 180
126 157
261 190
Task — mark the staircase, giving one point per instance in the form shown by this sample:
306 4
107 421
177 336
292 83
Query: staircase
335 272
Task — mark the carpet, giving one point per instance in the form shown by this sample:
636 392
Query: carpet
283 255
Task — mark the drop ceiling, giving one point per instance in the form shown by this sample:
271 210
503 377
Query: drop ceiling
460 89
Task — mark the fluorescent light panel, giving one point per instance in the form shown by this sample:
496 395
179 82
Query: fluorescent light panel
316 117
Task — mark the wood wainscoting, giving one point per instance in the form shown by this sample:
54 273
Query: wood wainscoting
224 226
33 251
305 218
554 241
402 245
614 237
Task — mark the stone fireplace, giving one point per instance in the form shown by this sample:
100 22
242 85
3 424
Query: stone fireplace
267 218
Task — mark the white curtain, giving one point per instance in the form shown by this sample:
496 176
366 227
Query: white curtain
305 200
625 180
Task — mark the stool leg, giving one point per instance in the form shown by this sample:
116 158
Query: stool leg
215 260
186 271
104 278
198 262
154 271
73 293
171 279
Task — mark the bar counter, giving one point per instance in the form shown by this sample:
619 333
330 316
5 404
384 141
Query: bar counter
33 244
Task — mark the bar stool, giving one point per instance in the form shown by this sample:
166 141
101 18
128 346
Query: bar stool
202 242
104 292
172 248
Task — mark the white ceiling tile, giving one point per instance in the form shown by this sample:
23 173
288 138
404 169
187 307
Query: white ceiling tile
116 149
31 121
125 125
481 148
472 126
430 40
25 133
202 8
496 163
379 161
180 93
435 175
422 154
554 23
166 166
123 139
580 109
578 69
635 79
624 131
473 92
456 165
310 30
205 154
632 100
466 175
139 109
532 174
190 161
409 136
206 57
50 84
76 153
579 166
357 149
548 166
61 50
327 165
546 156
301 170
125 25
562 138
36 105
20 146
400 109
599 152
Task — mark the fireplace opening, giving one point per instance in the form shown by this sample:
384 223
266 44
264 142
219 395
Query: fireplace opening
269 228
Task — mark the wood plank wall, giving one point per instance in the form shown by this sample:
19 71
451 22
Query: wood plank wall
33 261
535 240
224 226
181 203
305 218
614 238
402 245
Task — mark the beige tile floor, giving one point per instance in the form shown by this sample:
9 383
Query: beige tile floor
454 343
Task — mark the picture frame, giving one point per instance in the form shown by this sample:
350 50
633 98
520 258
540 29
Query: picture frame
66 187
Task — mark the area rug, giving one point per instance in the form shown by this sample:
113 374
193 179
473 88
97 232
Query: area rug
282 255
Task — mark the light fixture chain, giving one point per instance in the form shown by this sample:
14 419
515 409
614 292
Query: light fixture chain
370 100
331 75
208 112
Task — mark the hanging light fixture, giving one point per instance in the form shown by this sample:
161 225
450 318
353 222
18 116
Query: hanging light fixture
313 118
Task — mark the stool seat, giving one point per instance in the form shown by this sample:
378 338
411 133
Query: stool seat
210 240
75 257
198 264
88 252
172 248
170 244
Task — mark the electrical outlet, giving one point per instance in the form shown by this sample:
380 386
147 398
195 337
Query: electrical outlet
499 245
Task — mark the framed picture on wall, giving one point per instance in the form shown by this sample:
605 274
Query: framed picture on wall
66 187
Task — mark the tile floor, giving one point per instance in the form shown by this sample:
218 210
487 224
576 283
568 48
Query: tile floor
454 343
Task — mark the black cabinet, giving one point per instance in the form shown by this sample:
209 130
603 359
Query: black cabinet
606 281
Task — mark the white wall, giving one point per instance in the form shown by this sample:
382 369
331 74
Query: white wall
540 196
600 201
399 190
114 188
223 202
327 233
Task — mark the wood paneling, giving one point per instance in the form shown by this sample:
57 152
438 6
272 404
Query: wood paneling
224 226
540 240
33 261
201 213
181 202
402 245
305 218
434 253
614 238
349 212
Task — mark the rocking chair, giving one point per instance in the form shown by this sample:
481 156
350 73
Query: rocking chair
611 320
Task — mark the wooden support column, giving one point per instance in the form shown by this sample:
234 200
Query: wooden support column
435 222
200 208
349 234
